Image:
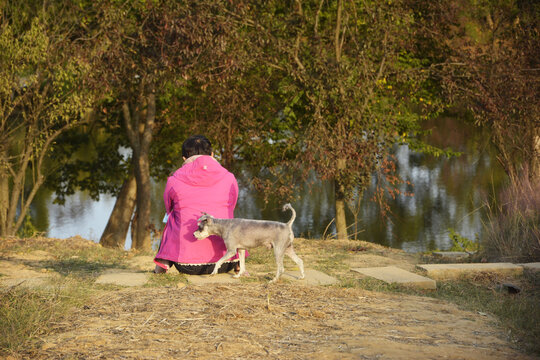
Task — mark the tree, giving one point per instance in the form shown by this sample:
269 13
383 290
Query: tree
360 86
41 96
235 100
492 66
143 52
314 92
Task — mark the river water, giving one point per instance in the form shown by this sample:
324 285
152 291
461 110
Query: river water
448 195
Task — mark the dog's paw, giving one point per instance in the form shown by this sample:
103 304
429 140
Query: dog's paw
245 273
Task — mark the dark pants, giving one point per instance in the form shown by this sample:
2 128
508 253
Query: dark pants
205 268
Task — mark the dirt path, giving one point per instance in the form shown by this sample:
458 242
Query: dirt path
281 321
249 320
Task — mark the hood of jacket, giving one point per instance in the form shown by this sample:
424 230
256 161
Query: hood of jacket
204 170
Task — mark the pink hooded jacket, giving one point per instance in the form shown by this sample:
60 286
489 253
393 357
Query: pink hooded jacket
200 185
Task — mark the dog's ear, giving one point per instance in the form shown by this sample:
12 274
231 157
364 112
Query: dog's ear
207 217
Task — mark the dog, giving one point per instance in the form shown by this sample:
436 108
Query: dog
241 234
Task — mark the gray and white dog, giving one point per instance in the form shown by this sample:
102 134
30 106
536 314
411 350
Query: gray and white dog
241 234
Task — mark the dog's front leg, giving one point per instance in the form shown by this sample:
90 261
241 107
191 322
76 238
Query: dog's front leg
228 255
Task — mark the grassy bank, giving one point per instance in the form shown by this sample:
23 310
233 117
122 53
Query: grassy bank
27 314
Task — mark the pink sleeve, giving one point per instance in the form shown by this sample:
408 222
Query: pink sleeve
167 198
233 197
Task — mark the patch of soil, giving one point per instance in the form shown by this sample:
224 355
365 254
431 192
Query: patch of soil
369 260
256 320
278 321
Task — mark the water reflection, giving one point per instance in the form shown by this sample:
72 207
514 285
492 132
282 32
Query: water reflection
79 216
447 195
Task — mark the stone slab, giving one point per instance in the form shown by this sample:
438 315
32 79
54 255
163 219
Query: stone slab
531 266
123 278
392 274
25 282
226 278
16 274
312 277
453 271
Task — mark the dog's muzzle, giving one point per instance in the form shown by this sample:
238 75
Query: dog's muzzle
201 234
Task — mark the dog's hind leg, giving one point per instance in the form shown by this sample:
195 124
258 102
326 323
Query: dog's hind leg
278 253
242 257
290 253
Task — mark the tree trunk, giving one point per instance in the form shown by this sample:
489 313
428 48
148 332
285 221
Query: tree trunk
341 221
114 235
142 220
140 135
32 157
4 195
134 224
339 190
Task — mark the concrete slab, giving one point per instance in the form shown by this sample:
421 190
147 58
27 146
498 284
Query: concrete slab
392 274
531 266
312 277
226 278
453 271
16 270
123 278
25 282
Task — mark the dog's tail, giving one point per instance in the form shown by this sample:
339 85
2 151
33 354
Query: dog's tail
289 207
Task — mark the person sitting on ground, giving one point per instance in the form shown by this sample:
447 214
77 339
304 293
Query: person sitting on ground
200 185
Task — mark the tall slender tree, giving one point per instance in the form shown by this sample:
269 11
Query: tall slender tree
41 96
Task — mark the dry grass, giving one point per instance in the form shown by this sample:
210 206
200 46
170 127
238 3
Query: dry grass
484 293
80 319
261 321
26 314
513 225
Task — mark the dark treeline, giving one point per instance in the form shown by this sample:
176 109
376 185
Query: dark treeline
99 95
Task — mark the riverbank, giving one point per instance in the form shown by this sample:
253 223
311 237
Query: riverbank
61 311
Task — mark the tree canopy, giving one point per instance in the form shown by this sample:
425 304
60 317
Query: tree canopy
42 95
290 90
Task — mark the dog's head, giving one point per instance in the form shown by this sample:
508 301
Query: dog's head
202 226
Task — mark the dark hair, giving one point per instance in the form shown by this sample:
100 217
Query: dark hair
196 145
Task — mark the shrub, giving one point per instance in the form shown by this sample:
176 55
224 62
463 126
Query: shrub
461 243
512 229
